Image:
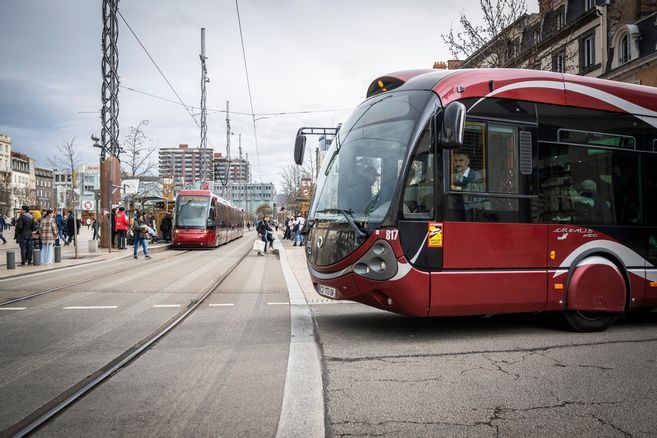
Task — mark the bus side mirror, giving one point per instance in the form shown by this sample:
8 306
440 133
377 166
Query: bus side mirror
453 126
299 149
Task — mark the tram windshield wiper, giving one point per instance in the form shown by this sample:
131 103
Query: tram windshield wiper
349 216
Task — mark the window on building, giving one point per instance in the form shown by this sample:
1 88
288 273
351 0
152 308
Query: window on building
587 53
559 61
624 54
560 18
588 5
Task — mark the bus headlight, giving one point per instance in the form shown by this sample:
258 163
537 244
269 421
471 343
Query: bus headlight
379 263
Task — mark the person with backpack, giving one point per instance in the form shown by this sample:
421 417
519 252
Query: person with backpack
265 232
140 230
24 227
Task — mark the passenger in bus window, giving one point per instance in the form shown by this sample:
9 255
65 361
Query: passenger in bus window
362 191
589 206
465 178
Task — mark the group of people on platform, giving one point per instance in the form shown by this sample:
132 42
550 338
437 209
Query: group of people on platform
42 230
142 228
293 228
36 229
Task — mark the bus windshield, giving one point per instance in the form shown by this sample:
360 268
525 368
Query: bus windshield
361 169
192 211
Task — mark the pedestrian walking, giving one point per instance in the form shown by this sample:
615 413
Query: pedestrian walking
70 229
88 223
48 232
36 239
59 219
3 224
165 226
95 226
298 226
121 224
140 230
24 227
265 232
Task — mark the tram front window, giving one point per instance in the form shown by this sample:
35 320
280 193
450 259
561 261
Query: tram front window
192 211
364 163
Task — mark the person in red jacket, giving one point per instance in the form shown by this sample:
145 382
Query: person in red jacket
121 226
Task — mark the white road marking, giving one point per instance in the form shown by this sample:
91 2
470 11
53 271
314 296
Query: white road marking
277 304
222 305
89 307
302 413
166 305
13 308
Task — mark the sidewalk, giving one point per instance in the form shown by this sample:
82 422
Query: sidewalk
68 254
296 257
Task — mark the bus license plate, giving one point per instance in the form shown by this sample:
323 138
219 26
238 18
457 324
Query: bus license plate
327 291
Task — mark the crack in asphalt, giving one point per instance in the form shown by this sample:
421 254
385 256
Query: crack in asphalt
394 358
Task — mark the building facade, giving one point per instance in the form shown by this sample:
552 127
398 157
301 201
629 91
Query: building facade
612 39
227 170
183 165
45 188
23 181
248 196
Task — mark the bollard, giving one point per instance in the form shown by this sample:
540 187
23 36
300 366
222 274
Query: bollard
93 245
58 254
11 260
36 257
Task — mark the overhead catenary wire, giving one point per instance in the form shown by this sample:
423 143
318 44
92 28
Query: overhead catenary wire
248 84
158 69
212 110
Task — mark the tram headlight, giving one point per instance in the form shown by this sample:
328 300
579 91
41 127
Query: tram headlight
379 263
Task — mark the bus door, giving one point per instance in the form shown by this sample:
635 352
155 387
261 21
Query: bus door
493 257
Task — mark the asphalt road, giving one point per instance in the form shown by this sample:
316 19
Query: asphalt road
224 371
388 375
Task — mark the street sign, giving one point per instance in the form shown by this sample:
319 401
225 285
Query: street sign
88 205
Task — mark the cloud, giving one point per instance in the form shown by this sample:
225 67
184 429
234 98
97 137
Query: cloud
301 54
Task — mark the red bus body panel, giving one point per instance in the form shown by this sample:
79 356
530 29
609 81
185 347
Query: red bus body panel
501 267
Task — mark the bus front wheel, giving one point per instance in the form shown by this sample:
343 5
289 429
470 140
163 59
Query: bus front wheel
581 321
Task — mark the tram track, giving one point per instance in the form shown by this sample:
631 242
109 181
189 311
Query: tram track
76 392
84 280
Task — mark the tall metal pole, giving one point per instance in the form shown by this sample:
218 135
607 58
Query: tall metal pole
110 88
204 127
110 109
227 190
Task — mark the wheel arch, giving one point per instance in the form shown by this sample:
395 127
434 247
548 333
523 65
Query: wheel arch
613 258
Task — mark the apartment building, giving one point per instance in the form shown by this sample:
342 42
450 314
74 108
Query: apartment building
611 39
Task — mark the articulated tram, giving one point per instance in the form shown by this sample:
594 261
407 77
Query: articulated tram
204 220
491 191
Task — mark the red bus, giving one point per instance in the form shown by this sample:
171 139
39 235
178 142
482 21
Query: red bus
204 220
491 191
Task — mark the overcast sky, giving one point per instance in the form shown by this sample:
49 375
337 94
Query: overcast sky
302 55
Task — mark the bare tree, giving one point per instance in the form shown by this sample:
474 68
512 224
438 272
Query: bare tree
67 159
292 184
20 194
5 193
263 210
138 152
471 37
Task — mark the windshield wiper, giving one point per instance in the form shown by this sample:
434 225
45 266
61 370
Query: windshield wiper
349 216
